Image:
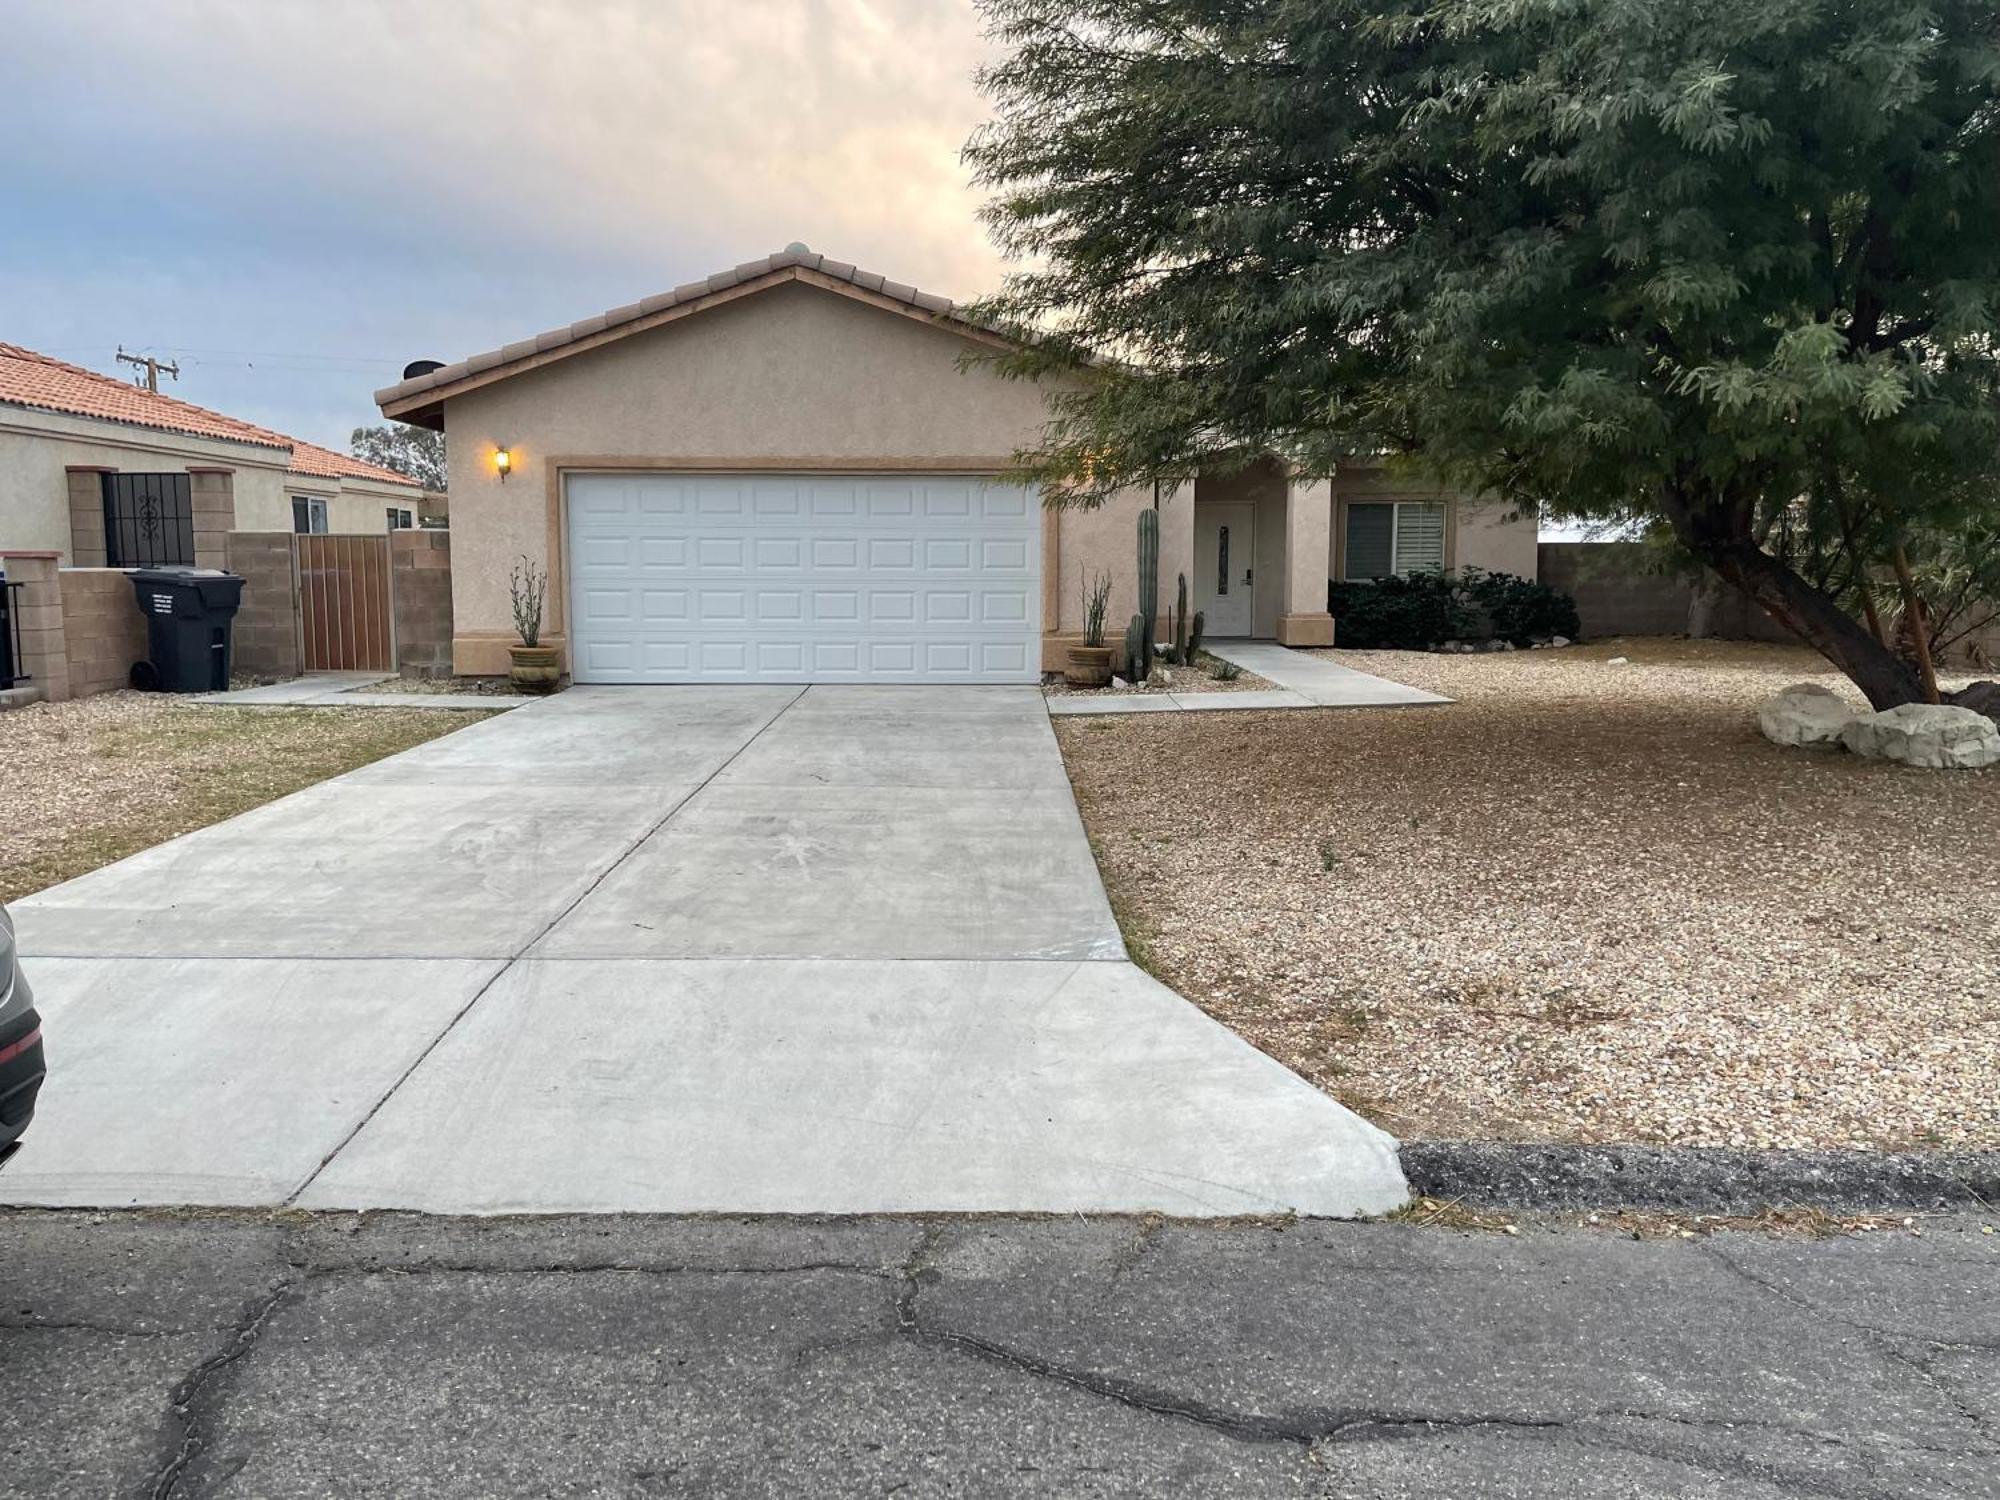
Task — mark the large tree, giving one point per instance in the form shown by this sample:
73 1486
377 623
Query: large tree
414 452
1710 263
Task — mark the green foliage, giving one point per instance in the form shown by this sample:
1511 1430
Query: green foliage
1519 609
1679 259
1402 612
414 452
1414 611
528 585
1223 671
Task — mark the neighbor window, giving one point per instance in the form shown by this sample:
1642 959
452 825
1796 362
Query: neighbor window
1394 536
399 520
308 514
148 521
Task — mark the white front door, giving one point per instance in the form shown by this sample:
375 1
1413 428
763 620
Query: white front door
803 578
1223 552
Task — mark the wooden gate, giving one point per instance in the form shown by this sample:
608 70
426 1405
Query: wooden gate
344 607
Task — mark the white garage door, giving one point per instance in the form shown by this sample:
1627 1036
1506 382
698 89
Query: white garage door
803 578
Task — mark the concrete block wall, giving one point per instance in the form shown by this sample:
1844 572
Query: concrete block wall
44 658
420 585
265 636
86 515
212 503
104 632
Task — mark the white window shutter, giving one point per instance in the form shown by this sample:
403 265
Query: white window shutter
1420 538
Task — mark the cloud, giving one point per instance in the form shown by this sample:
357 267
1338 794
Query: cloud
325 178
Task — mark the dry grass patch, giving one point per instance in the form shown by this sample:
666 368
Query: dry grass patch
91 781
1584 903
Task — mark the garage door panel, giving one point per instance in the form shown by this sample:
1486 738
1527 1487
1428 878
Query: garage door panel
803 578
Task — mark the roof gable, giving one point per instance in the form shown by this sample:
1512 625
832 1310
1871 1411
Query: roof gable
420 400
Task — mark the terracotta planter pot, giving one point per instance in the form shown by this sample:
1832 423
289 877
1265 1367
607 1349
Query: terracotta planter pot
535 669
1089 666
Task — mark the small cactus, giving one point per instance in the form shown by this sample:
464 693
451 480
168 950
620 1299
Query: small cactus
1136 666
1149 588
1180 624
1195 633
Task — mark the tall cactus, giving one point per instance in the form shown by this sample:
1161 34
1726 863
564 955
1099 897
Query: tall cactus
1195 632
1180 624
1149 586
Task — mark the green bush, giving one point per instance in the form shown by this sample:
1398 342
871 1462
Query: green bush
1518 610
1414 611
1403 612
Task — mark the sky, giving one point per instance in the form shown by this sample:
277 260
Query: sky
294 198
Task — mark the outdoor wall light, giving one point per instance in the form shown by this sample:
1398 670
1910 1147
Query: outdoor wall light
503 460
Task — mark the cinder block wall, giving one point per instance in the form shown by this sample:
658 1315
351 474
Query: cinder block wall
420 584
265 638
1616 594
103 631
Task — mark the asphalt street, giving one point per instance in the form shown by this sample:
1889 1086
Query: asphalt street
191 1354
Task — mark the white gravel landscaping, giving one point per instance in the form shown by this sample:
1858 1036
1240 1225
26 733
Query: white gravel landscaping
1586 902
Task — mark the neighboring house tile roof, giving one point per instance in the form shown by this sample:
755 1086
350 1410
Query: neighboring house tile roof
310 458
786 265
45 384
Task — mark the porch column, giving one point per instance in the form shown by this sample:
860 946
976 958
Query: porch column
1303 620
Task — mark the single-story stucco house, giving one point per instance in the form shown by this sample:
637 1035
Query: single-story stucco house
105 473
787 473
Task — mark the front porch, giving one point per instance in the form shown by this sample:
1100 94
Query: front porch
1255 547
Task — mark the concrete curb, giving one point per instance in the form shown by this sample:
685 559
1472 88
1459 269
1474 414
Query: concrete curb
1699 1179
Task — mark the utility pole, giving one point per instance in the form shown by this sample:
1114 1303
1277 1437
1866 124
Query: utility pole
151 366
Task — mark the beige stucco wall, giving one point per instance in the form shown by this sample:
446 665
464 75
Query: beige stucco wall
795 374
37 448
1106 540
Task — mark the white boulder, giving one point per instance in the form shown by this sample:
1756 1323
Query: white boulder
1805 714
1926 734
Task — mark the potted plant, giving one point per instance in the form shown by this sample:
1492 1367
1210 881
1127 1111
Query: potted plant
536 668
1090 663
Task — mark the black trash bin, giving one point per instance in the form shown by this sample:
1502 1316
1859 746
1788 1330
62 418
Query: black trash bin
188 614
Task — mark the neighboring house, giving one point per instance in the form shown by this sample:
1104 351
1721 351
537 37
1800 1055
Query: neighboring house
105 473
789 472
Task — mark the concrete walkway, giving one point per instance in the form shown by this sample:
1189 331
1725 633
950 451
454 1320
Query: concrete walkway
668 949
1301 681
1321 682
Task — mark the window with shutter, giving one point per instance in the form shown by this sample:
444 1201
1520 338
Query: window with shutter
1420 538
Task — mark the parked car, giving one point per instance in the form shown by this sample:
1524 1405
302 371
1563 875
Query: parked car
20 1045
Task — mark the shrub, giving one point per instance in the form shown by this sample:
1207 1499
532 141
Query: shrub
1414 611
1518 610
1404 612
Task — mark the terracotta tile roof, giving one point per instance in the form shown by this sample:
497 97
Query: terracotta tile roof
31 379
35 380
310 458
795 258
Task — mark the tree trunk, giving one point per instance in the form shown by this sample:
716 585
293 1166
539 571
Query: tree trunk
1715 528
1704 605
1920 629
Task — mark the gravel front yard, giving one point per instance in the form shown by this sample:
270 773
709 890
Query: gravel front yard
1586 902
91 781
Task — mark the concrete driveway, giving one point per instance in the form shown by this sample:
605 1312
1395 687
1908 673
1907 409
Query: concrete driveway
668 949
